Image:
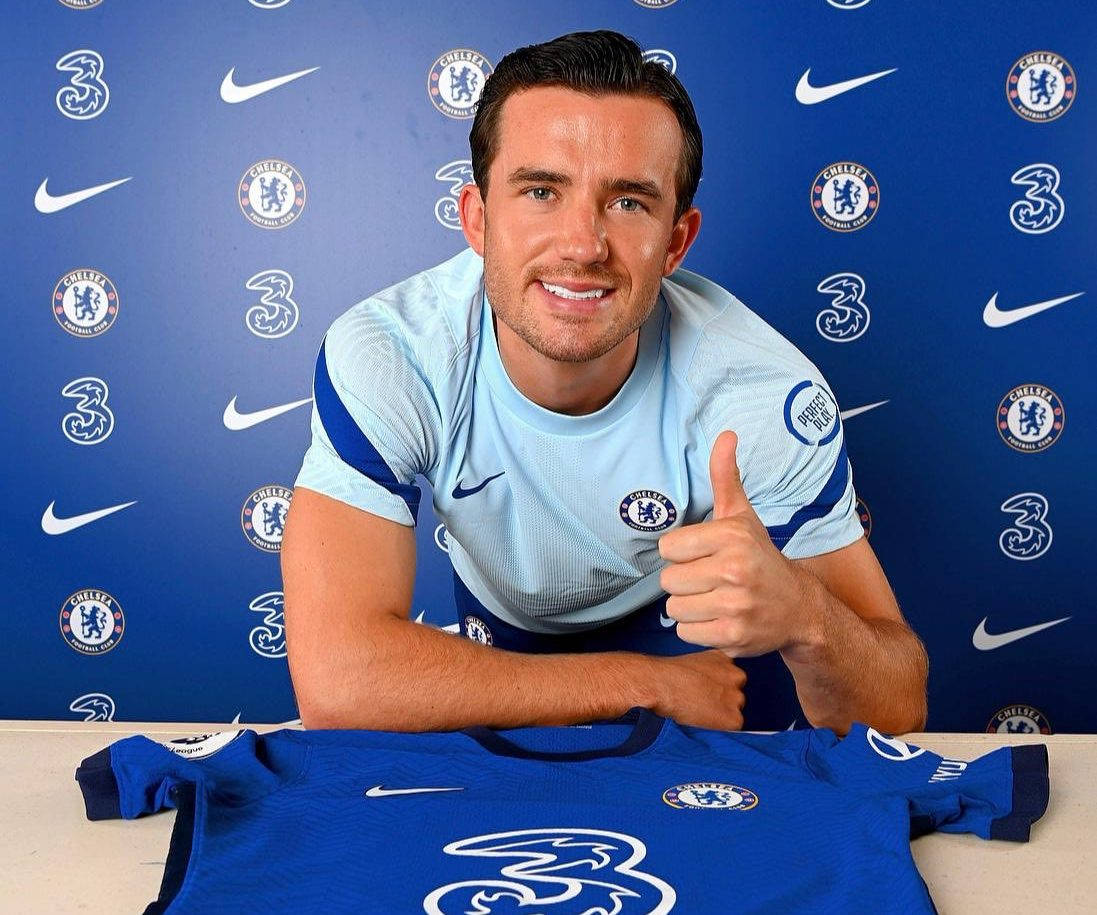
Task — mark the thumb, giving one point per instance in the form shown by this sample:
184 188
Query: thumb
728 495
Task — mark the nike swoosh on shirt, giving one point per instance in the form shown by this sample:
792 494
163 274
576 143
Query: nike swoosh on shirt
233 93
51 524
993 316
45 202
378 791
236 421
807 94
854 411
459 493
987 641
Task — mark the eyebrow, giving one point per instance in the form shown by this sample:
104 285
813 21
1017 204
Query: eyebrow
529 175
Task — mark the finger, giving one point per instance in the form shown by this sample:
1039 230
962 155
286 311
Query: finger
697 577
728 495
694 541
691 608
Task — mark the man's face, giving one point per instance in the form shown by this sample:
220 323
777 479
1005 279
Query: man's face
579 218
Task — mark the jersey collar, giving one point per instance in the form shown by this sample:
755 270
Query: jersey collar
647 727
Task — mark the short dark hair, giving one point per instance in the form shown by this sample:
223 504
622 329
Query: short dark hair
595 63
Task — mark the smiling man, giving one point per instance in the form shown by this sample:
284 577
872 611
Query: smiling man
631 465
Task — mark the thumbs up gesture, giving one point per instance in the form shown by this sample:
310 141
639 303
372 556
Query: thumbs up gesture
730 587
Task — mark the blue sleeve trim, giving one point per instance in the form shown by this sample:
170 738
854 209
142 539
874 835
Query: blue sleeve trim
822 506
350 442
99 787
1030 793
179 851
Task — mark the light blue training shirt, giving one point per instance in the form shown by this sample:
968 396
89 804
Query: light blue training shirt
553 521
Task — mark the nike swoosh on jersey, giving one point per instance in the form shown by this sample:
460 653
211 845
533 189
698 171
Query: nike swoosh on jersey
51 524
993 316
378 791
236 421
45 202
807 94
233 93
987 641
459 493
854 411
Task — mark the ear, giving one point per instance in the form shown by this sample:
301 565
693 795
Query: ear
681 237
470 206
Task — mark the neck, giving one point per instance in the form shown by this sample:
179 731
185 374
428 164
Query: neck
573 388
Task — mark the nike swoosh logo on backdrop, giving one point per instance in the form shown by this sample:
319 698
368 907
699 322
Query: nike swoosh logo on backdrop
807 94
986 641
854 411
233 93
237 421
993 316
45 202
378 791
51 524
459 493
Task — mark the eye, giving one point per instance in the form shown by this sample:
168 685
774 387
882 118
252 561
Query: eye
630 204
539 193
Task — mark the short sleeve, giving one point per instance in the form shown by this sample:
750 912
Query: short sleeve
373 418
138 776
809 506
997 796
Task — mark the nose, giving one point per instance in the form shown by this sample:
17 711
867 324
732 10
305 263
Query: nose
581 235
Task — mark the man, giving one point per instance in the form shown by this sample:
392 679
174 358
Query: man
600 430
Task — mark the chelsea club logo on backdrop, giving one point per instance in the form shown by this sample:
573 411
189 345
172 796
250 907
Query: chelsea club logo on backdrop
847 317
1019 719
272 194
80 4
86 96
648 510
263 517
456 80
92 621
1041 86
845 196
477 630
85 302
710 796
1031 418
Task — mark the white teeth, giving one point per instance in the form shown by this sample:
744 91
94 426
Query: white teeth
565 293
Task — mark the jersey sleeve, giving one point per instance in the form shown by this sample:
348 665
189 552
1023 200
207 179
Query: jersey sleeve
138 776
997 796
373 417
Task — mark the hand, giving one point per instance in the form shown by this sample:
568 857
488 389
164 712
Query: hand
703 689
730 587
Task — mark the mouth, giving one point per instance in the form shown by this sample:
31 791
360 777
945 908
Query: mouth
576 298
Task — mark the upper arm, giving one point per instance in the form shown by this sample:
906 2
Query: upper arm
342 568
853 575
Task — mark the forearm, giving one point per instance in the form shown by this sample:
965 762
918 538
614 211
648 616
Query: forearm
853 669
410 677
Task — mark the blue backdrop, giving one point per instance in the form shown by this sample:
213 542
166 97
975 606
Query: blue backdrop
892 230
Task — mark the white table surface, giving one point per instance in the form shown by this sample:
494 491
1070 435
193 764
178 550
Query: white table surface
53 860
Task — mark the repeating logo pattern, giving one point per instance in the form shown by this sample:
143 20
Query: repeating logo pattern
268 639
94 706
86 96
847 317
845 196
92 621
276 313
477 630
456 80
1019 719
1042 208
663 57
272 194
1031 418
1029 537
1041 87
85 303
458 173
91 421
263 517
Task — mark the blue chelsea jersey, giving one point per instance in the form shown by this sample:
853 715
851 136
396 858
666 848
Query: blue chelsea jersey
639 816
553 521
